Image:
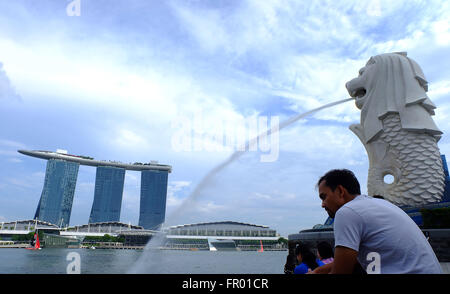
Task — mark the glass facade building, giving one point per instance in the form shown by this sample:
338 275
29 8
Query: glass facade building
222 229
55 204
152 211
108 194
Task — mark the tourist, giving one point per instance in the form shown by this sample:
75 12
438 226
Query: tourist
291 263
325 252
375 232
306 259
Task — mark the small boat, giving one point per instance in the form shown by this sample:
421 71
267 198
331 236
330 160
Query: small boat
221 245
211 246
35 245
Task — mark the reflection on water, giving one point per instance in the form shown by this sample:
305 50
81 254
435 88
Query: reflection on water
53 261
109 261
103 261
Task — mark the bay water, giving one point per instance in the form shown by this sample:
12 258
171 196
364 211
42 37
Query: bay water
114 261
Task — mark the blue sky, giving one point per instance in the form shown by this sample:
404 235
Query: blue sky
111 82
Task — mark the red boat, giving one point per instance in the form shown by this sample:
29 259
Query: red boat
37 245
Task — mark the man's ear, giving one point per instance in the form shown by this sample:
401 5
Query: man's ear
342 191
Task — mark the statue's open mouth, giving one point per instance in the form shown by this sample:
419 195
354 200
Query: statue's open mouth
359 93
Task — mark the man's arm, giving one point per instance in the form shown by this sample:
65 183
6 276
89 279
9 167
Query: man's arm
348 229
345 260
324 269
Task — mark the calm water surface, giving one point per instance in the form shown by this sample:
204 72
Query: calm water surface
109 261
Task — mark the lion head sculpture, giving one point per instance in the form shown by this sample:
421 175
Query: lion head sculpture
398 131
393 83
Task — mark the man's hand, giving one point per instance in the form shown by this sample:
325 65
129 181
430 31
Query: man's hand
324 269
345 260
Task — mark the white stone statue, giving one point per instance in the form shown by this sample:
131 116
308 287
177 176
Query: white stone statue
398 131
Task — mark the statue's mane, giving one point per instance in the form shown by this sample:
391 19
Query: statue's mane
397 85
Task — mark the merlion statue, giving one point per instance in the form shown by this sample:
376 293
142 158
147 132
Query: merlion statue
398 131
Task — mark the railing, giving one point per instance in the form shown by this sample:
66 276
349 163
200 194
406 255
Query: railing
186 246
15 244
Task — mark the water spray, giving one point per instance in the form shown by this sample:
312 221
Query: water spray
156 241
203 183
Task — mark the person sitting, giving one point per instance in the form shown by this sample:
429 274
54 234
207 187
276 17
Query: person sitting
371 233
306 259
291 263
325 252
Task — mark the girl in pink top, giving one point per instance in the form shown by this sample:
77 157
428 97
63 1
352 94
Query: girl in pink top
325 252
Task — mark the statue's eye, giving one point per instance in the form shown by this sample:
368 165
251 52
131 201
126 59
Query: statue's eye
361 71
371 61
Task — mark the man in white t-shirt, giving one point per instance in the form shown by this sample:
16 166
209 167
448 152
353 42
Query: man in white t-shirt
374 232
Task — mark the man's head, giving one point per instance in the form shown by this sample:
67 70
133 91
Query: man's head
324 250
302 252
336 188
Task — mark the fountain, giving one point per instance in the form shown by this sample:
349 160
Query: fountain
397 130
156 242
400 138
248 146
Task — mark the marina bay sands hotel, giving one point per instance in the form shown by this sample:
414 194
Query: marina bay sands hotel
55 204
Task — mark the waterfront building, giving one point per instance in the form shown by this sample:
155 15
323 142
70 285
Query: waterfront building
25 227
101 228
222 235
57 241
152 209
227 235
136 237
108 194
55 204
224 230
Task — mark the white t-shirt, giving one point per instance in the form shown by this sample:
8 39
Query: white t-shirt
386 238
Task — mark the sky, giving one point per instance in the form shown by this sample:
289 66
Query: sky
186 82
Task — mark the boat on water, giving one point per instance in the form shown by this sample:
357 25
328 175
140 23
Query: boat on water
35 244
262 248
221 245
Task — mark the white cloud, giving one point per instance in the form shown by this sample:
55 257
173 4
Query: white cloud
32 181
132 179
259 196
210 208
12 144
173 190
7 91
15 160
129 139
439 90
441 30
131 200
8 152
227 61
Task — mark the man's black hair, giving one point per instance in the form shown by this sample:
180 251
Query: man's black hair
308 257
343 177
291 263
325 249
